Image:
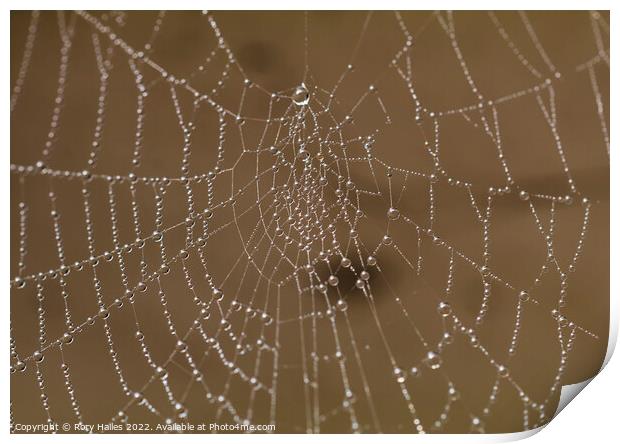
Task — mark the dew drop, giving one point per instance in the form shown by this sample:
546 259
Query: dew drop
453 394
161 372
432 360
266 318
218 294
332 280
19 282
301 96
20 366
523 296
444 309
393 214
303 154
67 338
400 375
502 371
139 397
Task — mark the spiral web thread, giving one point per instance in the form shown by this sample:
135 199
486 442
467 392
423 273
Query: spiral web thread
293 236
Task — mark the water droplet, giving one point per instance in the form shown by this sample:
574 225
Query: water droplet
341 305
20 366
139 397
303 154
218 294
266 318
523 295
19 282
444 309
161 372
345 262
301 96
359 284
524 195
37 356
502 371
453 393
393 214
364 275
432 360
400 375
332 280
371 261
67 338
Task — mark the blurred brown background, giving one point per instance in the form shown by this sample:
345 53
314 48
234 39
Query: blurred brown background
269 47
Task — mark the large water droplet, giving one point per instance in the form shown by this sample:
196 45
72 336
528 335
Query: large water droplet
432 360
444 309
393 213
20 366
161 372
301 96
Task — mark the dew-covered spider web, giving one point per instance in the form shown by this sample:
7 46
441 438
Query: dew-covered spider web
321 222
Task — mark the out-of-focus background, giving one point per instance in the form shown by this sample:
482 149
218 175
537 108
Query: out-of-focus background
302 379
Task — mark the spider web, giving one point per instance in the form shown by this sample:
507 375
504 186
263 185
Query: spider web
289 269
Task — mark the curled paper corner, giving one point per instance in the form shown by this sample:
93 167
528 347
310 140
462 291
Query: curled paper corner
567 394
570 391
